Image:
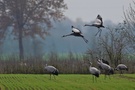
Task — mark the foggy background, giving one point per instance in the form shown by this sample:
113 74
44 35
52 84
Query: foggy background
55 42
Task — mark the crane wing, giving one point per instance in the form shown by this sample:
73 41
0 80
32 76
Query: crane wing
50 68
122 66
97 22
94 70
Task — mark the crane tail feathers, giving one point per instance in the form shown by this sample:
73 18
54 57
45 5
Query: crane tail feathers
96 74
55 72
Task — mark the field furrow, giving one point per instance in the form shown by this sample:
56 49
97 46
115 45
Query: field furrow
66 82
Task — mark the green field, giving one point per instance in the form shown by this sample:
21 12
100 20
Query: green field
65 82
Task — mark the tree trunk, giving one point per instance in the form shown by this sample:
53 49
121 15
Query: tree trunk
19 15
21 52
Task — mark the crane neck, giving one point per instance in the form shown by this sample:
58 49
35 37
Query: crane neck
46 65
90 64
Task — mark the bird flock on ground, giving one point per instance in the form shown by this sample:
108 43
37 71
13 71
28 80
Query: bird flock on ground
103 65
105 68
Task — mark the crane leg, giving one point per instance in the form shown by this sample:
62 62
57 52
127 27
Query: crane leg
121 72
50 76
93 78
100 32
106 73
97 32
54 76
109 76
96 79
105 76
85 39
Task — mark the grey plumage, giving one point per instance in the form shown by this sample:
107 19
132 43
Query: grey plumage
111 71
106 62
94 71
121 67
52 70
97 23
104 66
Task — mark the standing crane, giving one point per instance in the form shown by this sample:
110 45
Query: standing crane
94 71
76 32
121 67
97 23
51 70
104 66
106 62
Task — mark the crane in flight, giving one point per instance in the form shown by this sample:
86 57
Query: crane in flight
76 32
97 23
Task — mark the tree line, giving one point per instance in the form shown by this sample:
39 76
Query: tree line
70 64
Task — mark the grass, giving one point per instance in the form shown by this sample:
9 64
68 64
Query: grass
65 82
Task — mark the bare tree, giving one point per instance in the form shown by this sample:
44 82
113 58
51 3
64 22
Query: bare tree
29 18
95 49
115 43
112 46
129 16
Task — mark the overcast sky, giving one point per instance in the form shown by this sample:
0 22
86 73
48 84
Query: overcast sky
88 9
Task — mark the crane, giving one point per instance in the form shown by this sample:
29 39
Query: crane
52 70
97 23
105 67
112 69
121 67
106 62
76 32
94 71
